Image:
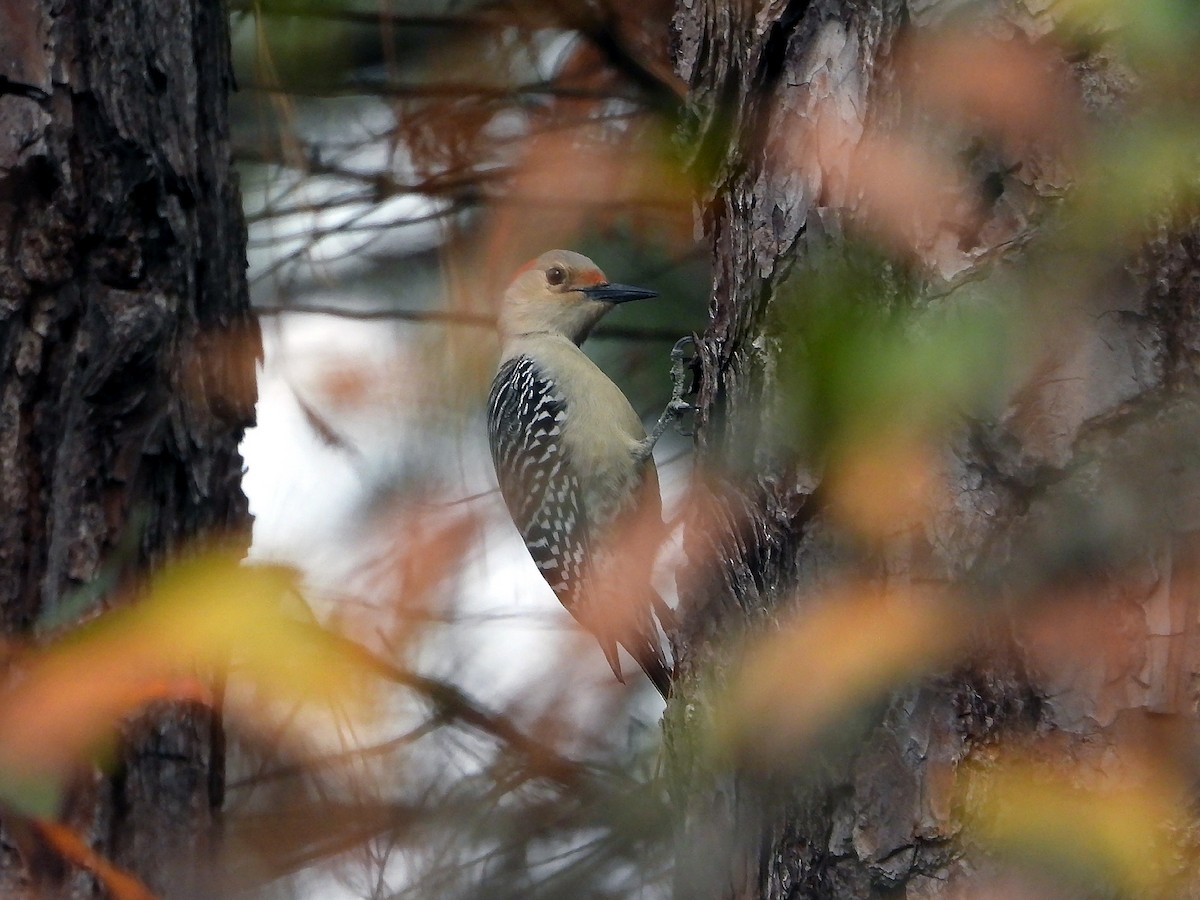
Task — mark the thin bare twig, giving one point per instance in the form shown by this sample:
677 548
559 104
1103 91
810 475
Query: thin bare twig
450 703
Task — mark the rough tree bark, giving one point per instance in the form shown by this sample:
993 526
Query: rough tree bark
760 77
128 356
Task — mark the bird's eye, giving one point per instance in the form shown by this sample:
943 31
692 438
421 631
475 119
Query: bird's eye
556 275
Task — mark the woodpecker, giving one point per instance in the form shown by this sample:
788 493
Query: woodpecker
573 461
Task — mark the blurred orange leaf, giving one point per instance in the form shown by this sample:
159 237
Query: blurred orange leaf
71 847
912 191
200 616
1015 88
572 180
881 486
834 656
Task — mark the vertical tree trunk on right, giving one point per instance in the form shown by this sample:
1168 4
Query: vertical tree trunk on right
1080 486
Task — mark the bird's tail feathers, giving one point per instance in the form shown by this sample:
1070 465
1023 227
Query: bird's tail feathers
654 664
614 661
640 637
646 648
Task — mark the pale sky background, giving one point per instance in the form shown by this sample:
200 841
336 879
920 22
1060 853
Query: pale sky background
317 506
311 505
311 501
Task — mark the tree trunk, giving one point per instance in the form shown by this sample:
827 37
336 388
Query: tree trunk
877 820
128 353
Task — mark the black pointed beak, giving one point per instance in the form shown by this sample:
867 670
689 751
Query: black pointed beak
616 293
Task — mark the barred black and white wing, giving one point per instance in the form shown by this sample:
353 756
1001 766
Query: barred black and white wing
542 493
549 505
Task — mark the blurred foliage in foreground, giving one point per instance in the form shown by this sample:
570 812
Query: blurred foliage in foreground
989 225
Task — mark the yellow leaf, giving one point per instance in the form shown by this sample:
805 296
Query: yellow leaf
202 616
1071 820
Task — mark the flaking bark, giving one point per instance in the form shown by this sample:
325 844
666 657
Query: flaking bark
128 355
879 820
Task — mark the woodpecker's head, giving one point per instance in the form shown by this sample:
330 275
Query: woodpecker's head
561 292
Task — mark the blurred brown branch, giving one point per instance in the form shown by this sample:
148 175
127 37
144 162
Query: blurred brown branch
452 704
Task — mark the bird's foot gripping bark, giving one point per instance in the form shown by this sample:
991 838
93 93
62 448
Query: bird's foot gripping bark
684 361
